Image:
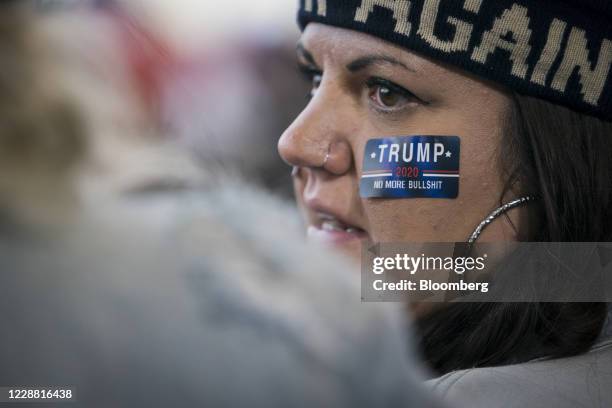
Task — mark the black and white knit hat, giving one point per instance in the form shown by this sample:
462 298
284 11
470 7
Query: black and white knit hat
559 50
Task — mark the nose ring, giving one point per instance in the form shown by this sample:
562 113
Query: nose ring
296 169
326 159
327 155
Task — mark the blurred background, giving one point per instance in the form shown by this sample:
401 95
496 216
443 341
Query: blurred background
218 77
134 266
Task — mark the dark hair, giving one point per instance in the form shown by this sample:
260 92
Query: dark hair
563 158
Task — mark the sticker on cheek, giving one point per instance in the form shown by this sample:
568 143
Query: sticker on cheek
411 167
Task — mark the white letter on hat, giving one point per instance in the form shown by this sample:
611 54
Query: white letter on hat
400 8
515 21
463 30
576 54
321 7
549 54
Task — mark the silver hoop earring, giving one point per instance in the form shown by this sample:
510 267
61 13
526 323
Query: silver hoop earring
495 214
295 171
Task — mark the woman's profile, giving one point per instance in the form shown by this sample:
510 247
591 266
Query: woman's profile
526 87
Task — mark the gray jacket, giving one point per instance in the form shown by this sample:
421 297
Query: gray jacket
580 381
198 300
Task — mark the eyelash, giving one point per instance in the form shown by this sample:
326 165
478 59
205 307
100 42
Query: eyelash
310 73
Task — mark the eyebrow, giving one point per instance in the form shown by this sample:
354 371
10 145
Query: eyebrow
369 60
358 64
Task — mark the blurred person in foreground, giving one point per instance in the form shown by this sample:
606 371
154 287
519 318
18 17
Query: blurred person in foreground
160 296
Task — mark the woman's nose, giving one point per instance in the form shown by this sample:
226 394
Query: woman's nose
301 145
315 139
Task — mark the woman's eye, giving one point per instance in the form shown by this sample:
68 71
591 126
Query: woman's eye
386 97
313 76
389 96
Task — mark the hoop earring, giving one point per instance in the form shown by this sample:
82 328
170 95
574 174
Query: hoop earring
495 214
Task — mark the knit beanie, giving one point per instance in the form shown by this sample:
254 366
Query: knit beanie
558 50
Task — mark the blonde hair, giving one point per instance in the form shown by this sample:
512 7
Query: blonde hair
40 130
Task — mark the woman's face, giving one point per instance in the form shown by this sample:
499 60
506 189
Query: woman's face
365 88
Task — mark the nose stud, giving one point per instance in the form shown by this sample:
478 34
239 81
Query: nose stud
326 159
337 161
296 169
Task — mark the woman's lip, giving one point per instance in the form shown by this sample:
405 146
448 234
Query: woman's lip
334 237
320 217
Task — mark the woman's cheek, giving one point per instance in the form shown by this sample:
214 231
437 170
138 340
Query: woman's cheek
393 220
416 220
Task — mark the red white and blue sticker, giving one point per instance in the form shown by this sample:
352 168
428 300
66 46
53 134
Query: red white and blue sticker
411 167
